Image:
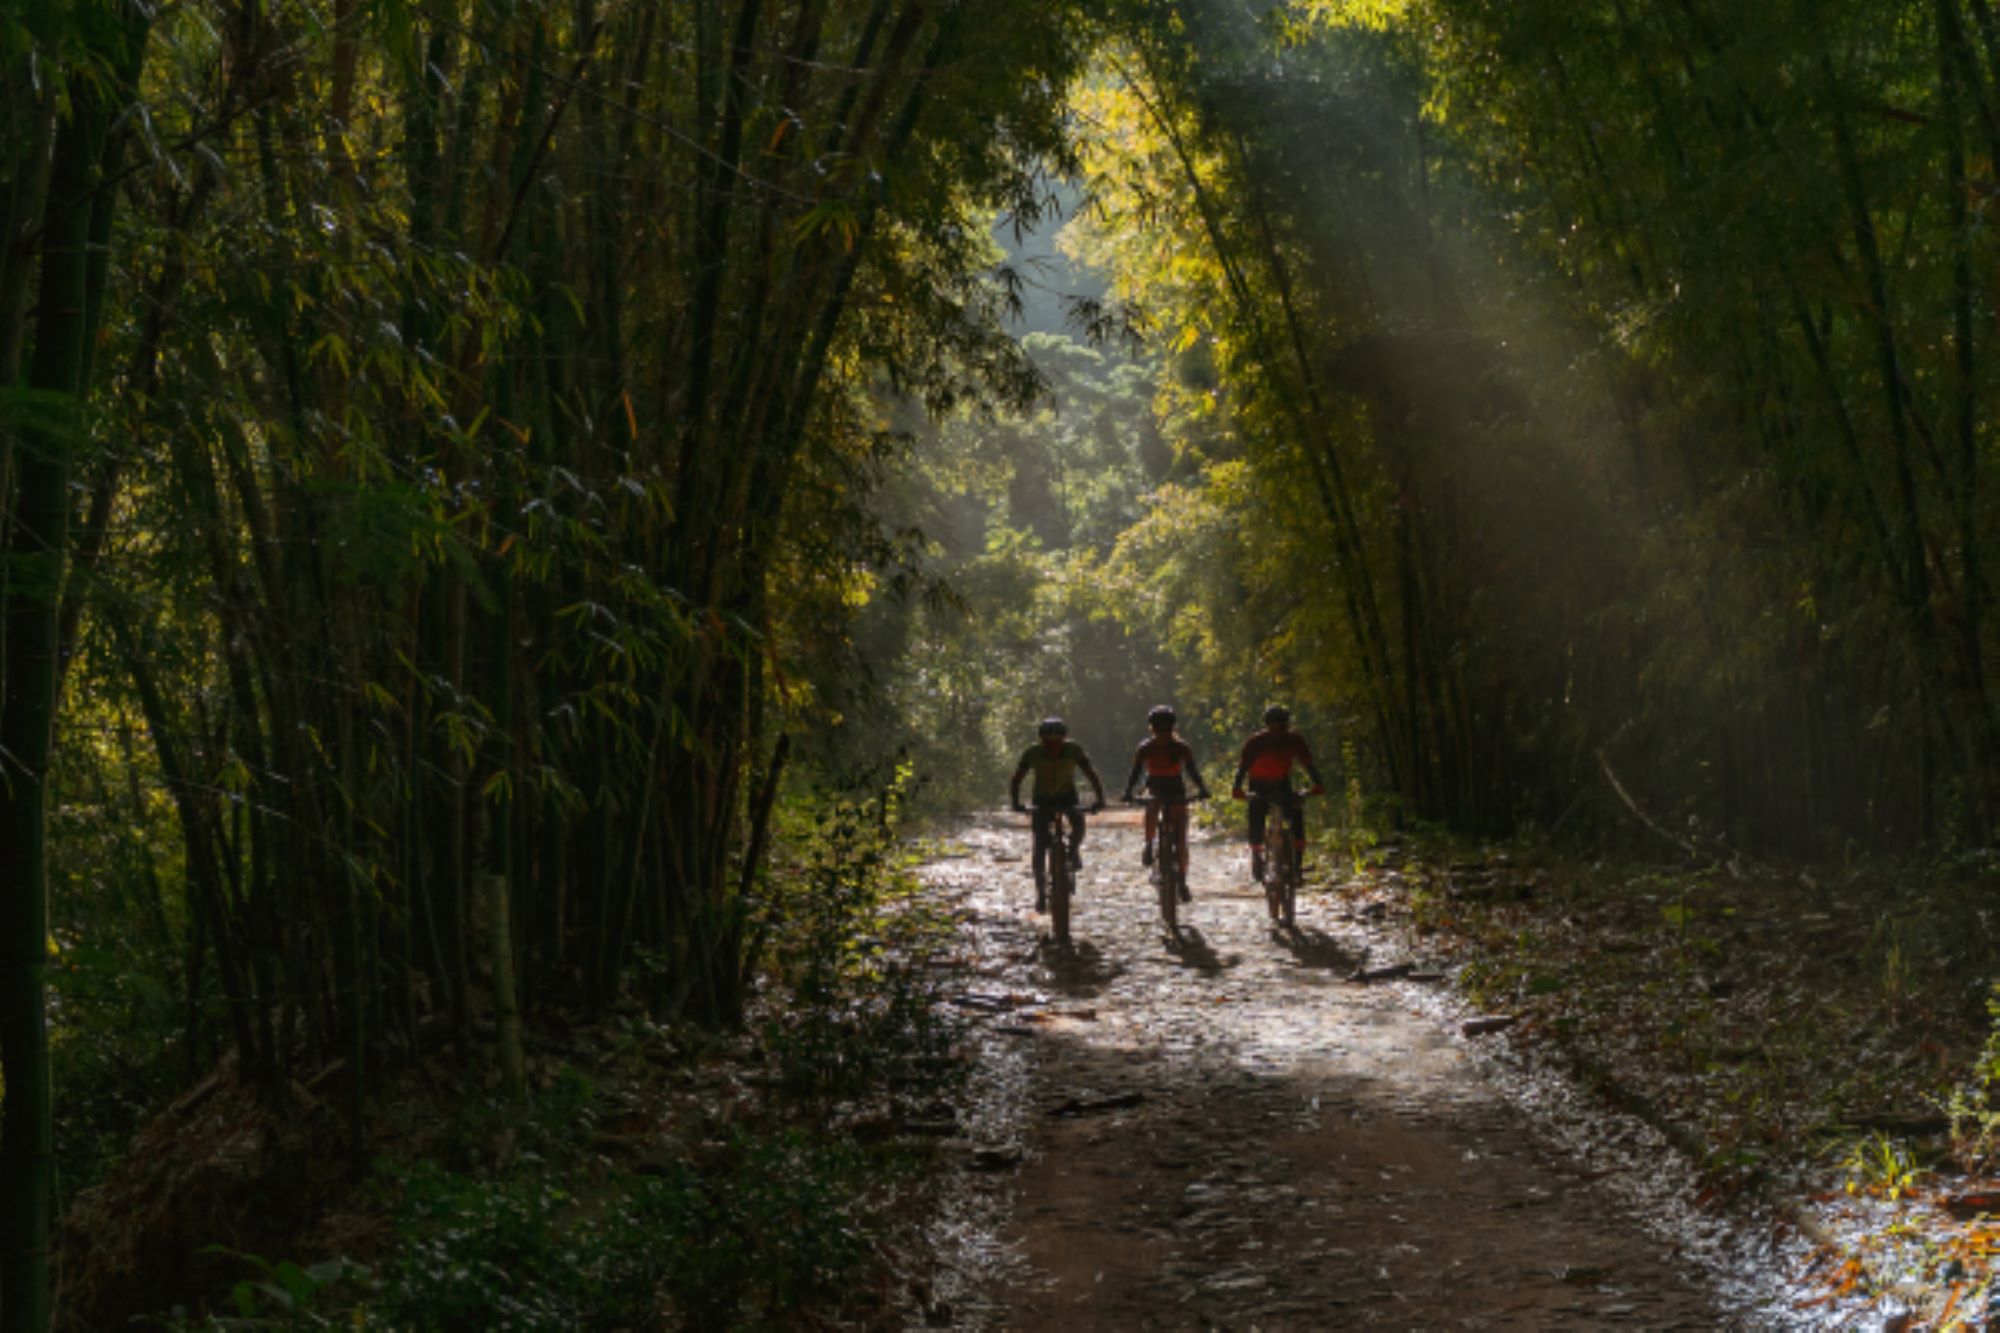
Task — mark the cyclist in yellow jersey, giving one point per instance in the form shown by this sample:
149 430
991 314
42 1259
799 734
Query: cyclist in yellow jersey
1055 761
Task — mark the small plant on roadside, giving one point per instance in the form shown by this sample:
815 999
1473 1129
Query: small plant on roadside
1888 946
1430 909
1492 982
1882 1167
1353 828
286 1295
1975 1104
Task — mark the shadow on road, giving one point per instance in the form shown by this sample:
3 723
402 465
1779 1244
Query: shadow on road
1192 949
1315 948
1078 969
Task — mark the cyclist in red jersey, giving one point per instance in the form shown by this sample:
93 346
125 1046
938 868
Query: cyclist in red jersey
1167 763
1267 761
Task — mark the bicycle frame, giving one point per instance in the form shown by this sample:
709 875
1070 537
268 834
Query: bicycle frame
1170 866
1061 879
1282 852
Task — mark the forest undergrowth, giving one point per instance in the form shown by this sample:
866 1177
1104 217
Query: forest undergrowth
1824 1044
659 1175
1821 1042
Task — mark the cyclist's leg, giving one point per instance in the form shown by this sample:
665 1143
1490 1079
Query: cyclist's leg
1178 814
1039 822
1259 808
1152 828
1296 817
1075 813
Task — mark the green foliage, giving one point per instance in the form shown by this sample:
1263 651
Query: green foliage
855 1004
749 1243
1358 823
285 1295
1975 1104
118 992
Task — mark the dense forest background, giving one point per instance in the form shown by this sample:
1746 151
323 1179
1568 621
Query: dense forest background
465 465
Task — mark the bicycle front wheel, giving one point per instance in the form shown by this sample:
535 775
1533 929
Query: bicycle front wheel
1273 879
1060 886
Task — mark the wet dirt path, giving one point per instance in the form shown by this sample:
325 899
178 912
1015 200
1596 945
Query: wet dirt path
1229 1134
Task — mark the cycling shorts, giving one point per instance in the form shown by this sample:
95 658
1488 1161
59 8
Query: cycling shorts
1264 795
1049 808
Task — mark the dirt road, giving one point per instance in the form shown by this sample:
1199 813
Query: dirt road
1226 1133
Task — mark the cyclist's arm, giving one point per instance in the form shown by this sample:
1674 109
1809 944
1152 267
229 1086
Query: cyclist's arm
1014 788
1242 771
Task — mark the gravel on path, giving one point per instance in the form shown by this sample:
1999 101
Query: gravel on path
1221 1131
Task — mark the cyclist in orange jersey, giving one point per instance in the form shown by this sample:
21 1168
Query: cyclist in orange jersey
1167 763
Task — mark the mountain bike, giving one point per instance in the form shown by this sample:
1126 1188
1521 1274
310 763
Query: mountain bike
1169 859
1055 875
1061 877
1282 855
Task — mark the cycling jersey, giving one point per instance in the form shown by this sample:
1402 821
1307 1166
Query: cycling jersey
1055 774
1269 756
1163 760
1267 761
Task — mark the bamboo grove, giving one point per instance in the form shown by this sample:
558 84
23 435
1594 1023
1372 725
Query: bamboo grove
1611 384
411 410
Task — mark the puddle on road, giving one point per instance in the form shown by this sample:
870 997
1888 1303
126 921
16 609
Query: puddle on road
1236 1008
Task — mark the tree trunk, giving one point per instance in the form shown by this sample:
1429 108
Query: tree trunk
35 517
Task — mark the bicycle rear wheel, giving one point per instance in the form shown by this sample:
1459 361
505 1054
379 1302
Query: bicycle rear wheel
1061 883
1290 896
1273 878
1169 880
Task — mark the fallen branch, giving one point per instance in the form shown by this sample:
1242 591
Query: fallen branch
992 1004
1694 853
1093 1105
1914 1124
1479 1027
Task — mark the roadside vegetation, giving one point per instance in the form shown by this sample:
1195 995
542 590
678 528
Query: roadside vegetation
1774 1026
658 1172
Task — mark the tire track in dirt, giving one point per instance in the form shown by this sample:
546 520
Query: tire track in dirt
1291 1151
